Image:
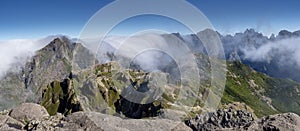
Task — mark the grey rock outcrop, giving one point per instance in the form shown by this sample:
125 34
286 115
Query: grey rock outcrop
94 120
242 120
98 121
28 111
221 119
279 122
30 116
55 62
36 118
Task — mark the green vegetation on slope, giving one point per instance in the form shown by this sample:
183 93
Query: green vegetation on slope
264 94
60 97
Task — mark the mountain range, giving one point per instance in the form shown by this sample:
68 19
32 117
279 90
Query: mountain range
66 77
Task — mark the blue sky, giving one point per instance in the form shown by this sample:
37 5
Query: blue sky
21 19
266 16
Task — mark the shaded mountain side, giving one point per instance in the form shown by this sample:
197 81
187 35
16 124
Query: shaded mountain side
274 69
60 97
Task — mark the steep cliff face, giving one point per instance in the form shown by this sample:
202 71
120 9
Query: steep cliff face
51 63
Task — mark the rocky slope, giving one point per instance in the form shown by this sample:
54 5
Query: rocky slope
29 116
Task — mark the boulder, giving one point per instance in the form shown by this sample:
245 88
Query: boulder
28 111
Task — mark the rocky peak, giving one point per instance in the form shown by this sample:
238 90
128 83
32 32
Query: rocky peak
250 31
58 42
54 62
206 32
296 33
58 48
284 34
272 37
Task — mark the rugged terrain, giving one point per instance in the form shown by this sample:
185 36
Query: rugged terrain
75 91
30 116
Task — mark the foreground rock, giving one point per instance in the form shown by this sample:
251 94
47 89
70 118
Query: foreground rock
242 120
97 121
221 119
29 116
28 111
279 122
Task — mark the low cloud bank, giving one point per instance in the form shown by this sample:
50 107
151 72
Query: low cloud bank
284 52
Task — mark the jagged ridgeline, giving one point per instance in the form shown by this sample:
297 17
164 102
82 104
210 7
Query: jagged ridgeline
65 77
107 87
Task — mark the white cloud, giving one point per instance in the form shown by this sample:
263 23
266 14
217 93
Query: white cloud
286 52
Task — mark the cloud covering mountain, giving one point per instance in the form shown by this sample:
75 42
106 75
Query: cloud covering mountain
277 56
15 53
